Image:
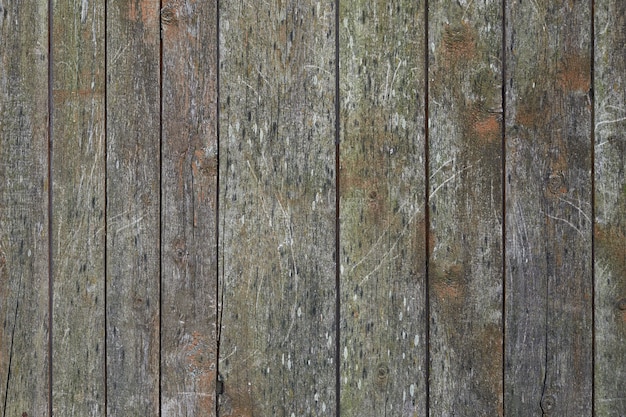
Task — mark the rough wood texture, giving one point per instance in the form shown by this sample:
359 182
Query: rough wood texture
78 222
24 209
382 242
610 208
189 192
277 208
465 198
133 246
548 209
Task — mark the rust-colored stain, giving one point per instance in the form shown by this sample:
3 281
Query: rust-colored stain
236 402
574 73
447 286
145 10
447 291
459 42
198 362
485 126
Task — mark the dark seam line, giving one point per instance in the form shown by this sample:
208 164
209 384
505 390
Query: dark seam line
593 207
218 306
106 174
160 207
337 220
50 200
503 191
426 209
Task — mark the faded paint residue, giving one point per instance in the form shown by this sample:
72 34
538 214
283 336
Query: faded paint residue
447 285
459 42
145 10
574 73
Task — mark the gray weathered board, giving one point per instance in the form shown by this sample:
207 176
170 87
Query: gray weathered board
312 208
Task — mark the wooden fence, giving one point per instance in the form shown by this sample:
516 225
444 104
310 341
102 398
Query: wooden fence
312 208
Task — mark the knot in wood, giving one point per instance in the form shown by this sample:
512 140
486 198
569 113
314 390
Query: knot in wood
382 374
621 304
556 184
548 403
168 16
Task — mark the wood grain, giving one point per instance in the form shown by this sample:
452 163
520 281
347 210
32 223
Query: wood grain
465 200
24 256
78 224
277 208
610 208
188 220
548 208
382 241
132 213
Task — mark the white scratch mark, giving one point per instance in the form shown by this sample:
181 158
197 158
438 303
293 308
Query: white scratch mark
565 221
577 208
448 180
603 122
126 226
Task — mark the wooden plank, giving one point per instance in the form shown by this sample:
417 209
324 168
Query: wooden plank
382 254
24 256
277 208
610 208
189 192
465 201
548 209
78 172
133 171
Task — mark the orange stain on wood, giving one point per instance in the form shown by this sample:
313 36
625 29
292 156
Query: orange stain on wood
574 73
145 10
486 128
459 42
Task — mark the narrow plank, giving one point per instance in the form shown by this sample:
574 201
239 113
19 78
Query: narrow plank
189 192
277 208
610 208
78 172
383 291
24 256
465 201
548 208
133 170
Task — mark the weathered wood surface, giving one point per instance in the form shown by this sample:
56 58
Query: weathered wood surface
78 223
133 207
548 208
610 208
24 187
277 208
468 241
189 192
382 240
465 203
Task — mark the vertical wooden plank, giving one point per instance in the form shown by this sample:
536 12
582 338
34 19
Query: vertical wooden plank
548 208
189 192
610 208
133 246
24 269
383 340
465 171
78 174
277 208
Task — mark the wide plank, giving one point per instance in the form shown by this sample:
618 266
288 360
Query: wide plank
78 224
610 208
382 239
549 287
188 219
277 279
133 207
24 188
465 203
